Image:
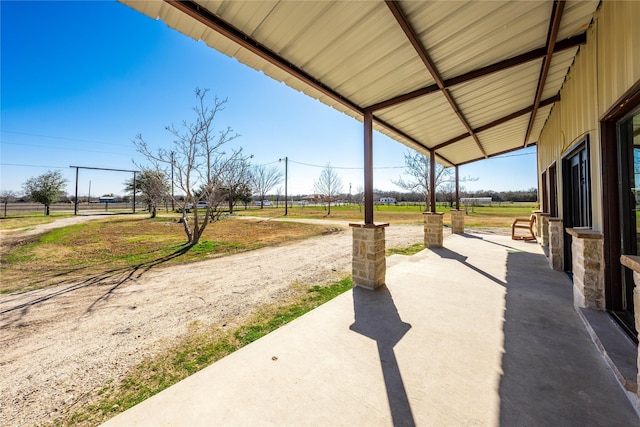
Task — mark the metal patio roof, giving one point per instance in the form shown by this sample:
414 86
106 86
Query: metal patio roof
465 80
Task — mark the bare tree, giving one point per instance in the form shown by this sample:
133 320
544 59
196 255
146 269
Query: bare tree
154 188
236 182
199 161
329 185
360 196
46 188
418 169
7 196
263 179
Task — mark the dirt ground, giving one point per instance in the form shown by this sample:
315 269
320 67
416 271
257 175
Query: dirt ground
61 343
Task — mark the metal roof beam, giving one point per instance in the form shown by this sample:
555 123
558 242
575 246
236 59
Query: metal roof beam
565 44
499 121
496 154
422 53
532 55
552 34
200 14
403 98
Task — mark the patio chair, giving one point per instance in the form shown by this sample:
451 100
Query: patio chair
525 224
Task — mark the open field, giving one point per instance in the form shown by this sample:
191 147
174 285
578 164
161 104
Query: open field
113 246
478 216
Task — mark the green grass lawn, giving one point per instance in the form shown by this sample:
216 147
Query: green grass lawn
478 216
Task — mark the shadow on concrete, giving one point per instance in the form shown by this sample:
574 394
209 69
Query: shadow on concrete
377 317
553 375
449 254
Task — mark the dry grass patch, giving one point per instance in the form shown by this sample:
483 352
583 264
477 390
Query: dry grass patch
109 248
22 221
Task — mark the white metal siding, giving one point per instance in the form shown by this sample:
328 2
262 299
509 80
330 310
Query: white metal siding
604 69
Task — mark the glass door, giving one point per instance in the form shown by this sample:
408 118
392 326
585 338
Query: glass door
576 189
629 151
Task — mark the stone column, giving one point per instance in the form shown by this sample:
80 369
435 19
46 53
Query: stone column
457 221
633 262
556 244
544 229
369 264
433 230
538 228
587 265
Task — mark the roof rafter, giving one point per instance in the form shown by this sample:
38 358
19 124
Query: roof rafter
499 121
424 56
552 34
514 61
496 154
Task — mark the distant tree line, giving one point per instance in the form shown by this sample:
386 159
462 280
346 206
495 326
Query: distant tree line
530 195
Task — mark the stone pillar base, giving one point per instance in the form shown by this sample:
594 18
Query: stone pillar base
538 227
633 262
544 229
587 265
556 244
369 264
433 230
457 221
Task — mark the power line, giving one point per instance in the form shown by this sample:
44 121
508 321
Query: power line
63 138
33 166
345 167
69 149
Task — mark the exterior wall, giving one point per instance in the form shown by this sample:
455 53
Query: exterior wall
606 66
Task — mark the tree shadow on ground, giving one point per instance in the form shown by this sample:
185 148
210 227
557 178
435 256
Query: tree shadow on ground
113 278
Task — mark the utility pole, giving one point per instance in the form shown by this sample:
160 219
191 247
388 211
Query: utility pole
286 171
173 206
75 207
134 192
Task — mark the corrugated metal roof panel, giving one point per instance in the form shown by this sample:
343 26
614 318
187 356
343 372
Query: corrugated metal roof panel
560 64
505 137
538 124
359 51
576 17
464 36
435 124
497 95
461 151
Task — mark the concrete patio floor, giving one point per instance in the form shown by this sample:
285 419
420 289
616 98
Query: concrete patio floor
480 332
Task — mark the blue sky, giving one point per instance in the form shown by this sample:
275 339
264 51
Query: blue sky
79 80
